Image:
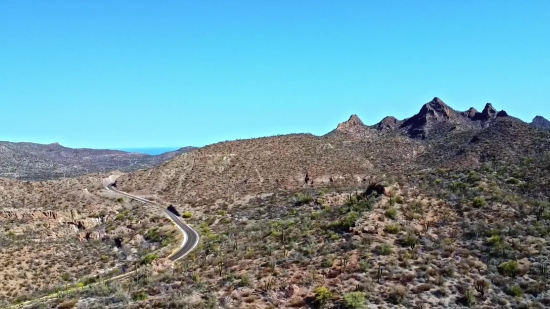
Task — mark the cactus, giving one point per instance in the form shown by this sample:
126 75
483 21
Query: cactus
379 273
543 270
482 286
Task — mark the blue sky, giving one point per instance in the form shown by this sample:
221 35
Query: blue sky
119 74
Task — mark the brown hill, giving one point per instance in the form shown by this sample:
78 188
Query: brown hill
271 164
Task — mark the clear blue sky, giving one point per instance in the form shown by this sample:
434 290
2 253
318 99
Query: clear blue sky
116 74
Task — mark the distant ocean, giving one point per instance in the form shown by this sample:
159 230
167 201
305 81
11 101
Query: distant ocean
150 151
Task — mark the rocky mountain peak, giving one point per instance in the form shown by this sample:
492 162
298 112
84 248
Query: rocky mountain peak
353 121
541 122
489 111
471 112
436 109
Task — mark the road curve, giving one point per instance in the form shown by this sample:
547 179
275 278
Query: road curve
191 237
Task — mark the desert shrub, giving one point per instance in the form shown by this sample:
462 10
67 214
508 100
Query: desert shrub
515 291
391 213
398 294
469 298
149 258
346 222
139 296
478 202
322 295
244 280
494 240
303 199
410 240
392 228
354 300
187 215
385 249
509 268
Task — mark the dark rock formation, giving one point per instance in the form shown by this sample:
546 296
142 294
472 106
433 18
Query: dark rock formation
389 123
502 113
470 113
428 118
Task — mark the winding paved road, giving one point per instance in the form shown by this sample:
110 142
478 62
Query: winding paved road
191 239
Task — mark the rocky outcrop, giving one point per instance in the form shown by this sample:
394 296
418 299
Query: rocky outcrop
354 127
428 119
435 118
73 218
389 123
470 113
352 122
541 123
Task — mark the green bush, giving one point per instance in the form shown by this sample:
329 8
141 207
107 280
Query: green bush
391 213
409 240
322 295
244 280
354 300
478 202
346 222
303 199
509 268
139 296
149 258
494 240
469 298
515 291
187 215
385 249
392 228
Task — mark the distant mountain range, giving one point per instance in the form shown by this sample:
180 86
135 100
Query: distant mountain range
434 119
30 161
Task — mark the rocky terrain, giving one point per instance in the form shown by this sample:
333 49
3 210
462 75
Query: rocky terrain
29 161
445 209
63 233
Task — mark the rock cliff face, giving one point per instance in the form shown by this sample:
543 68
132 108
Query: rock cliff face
63 222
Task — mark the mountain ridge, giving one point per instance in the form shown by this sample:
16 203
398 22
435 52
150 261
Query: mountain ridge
33 161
